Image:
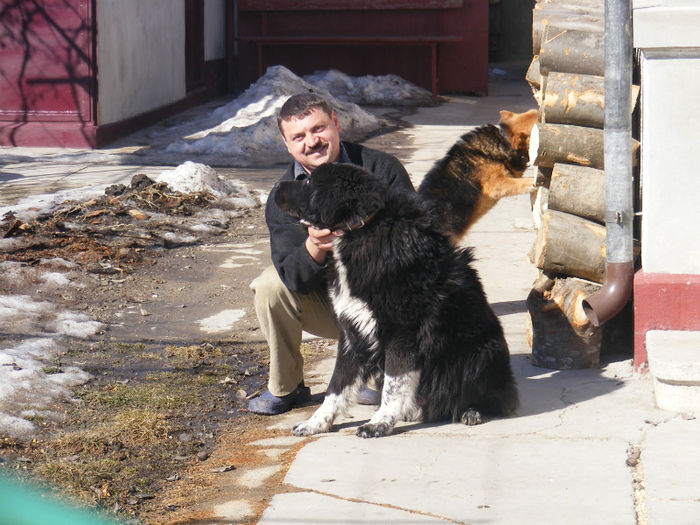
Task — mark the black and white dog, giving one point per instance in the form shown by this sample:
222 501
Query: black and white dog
408 304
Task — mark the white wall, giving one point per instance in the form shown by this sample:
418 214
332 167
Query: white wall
668 37
214 29
141 59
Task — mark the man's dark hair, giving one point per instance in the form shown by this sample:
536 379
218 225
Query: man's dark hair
300 105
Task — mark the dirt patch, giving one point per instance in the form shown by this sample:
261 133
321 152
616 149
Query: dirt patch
163 420
154 433
114 230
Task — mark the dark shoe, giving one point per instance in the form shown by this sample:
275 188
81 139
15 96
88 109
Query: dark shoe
271 405
367 396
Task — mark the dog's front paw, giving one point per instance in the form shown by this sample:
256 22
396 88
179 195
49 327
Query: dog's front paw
308 428
374 430
529 184
472 417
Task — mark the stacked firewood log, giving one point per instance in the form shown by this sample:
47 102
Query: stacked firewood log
567 79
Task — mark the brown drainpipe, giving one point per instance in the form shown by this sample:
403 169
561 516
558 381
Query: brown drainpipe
619 267
607 302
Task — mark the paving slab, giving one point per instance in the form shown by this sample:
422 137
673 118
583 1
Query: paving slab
312 508
472 479
671 463
234 511
258 476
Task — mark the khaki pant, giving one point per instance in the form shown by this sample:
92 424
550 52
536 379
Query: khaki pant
283 315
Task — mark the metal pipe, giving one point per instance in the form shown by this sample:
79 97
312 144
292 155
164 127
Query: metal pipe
612 297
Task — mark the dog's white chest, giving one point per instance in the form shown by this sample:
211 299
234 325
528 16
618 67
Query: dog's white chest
349 308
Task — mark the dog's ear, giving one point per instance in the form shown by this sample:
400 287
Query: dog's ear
294 198
505 115
525 121
287 194
506 124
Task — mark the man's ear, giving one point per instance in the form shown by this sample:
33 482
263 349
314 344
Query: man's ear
284 137
287 145
335 119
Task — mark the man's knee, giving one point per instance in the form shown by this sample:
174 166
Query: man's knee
275 302
269 289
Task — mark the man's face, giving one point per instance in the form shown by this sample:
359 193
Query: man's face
312 140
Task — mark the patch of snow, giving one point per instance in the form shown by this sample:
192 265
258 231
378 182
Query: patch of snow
42 348
34 206
20 314
71 376
496 72
9 244
74 325
241 201
55 279
58 261
205 228
179 239
13 273
221 322
190 177
382 90
27 390
16 427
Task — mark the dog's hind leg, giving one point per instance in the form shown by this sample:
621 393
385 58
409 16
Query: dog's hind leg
398 404
472 417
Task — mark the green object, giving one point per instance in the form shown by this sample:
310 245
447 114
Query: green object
22 505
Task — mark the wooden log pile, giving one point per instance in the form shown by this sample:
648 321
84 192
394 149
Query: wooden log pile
567 79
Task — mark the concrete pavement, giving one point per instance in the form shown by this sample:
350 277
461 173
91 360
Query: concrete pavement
586 446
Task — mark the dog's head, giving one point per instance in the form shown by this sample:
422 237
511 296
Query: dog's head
334 196
519 128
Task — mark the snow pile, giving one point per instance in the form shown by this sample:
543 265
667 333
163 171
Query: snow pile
382 90
244 132
191 177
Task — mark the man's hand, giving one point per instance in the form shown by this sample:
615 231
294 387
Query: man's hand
319 243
